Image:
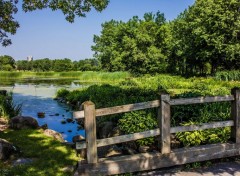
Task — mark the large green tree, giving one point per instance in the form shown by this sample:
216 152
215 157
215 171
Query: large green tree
7 63
138 45
70 8
207 37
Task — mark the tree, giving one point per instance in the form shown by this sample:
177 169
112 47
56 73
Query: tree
138 46
7 63
70 8
207 37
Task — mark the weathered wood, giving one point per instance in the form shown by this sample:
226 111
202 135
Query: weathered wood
164 124
90 129
78 114
121 139
149 161
185 101
202 126
235 115
120 109
155 132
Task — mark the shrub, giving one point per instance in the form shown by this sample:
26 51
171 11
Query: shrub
138 121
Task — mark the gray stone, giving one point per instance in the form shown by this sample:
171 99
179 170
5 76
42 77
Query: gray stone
114 151
54 134
6 149
143 149
77 138
23 122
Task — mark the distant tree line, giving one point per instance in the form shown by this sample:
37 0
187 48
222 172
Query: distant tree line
7 63
203 39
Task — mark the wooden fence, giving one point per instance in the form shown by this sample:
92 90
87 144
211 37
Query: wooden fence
166 157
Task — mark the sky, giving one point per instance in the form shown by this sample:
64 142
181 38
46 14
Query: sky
46 33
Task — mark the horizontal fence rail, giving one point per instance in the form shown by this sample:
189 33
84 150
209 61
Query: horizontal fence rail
153 104
165 157
155 132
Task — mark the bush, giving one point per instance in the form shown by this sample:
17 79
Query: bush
138 121
7 107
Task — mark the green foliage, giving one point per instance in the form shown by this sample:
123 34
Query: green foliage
62 92
194 138
138 121
70 9
49 156
7 107
7 63
206 37
7 23
138 46
233 75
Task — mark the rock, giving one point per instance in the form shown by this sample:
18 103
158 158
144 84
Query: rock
128 151
115 132
63 122
23 122
143 149
104 129
79 127
69 120
114 151
3 92
22 161
174 142
6 149
78 138
54 134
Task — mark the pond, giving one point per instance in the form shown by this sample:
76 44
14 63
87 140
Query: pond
37 96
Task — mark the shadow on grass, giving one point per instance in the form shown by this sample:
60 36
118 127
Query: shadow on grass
50 157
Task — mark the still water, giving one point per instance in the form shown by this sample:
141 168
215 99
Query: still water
38 97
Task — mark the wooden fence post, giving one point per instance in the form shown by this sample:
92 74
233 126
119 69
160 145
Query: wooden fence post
235 115
164 124
90 131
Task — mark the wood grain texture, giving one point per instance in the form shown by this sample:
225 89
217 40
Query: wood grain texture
90 129
149 161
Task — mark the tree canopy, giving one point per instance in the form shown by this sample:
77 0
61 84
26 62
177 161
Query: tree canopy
203 39
70 8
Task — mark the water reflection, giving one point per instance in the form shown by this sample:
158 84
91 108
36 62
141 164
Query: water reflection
36 97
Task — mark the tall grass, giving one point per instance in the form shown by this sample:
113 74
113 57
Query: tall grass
233 75
82 76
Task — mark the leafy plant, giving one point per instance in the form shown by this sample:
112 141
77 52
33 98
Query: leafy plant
7 107
138 121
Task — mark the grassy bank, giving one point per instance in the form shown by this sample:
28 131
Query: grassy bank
88 76
50 157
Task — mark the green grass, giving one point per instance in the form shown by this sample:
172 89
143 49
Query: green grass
50 156
87 76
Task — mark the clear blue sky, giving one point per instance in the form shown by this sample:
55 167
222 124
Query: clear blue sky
46 34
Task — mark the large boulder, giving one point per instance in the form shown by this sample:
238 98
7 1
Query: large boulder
6 149
54 134
23 122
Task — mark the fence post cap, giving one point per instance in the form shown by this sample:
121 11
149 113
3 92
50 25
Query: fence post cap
87 103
